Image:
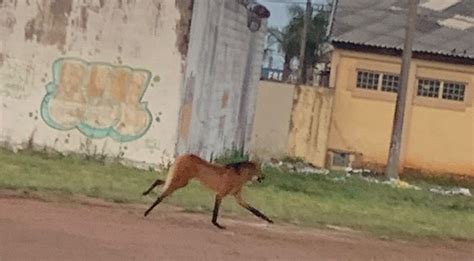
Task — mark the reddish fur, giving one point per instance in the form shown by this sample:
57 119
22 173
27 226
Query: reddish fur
224 180
221 179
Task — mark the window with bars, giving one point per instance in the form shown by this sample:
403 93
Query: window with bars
390 83
438 89
367 80
428 88
454 91
340 159
377 81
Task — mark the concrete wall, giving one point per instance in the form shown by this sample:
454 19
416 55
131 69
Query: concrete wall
292 121
438 134
272 120
310 121
93 76
360 124
222 72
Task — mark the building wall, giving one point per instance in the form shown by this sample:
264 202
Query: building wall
309 128
438 134
221 77
441 135
97 77
272 120
292 121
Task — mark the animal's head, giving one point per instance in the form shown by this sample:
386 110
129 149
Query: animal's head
249 169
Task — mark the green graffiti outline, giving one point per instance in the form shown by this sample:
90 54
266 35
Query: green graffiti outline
85 129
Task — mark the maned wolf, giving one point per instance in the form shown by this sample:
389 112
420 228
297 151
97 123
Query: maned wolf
224 180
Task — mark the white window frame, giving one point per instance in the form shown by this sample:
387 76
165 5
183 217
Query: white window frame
379 82
441 89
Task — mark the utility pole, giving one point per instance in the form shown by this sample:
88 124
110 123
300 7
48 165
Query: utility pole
307 18
393 163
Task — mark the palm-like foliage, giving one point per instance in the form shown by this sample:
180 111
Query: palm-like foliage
290 37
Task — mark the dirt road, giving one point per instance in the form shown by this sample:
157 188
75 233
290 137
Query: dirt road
37 230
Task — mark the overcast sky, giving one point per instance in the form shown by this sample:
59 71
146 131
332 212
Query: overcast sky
278 9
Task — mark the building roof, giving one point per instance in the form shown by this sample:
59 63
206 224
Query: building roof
444 27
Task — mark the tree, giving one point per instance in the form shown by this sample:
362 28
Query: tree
289 38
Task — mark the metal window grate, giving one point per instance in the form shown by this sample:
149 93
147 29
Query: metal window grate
340 159
367 80
390 83
428 88
454 91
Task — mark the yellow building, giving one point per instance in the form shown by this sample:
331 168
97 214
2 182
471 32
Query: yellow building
438 133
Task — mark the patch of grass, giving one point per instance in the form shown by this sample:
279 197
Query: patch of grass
231 156
377 208
36 171
452 180
306 200
293 160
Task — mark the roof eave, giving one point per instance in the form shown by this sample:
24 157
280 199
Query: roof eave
397 51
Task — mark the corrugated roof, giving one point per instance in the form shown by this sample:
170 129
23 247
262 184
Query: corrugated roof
441 28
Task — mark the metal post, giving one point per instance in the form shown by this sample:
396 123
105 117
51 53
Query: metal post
304 34
393 163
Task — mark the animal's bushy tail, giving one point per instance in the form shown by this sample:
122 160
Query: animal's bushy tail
156 183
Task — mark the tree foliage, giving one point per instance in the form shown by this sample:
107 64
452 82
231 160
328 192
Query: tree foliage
290 36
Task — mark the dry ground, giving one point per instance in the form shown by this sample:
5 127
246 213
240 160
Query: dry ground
31 229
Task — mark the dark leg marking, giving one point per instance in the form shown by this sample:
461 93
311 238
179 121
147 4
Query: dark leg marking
168 191
215 213
158 200
254 211
156 183
259 214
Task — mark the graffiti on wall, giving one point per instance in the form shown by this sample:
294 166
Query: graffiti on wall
99 99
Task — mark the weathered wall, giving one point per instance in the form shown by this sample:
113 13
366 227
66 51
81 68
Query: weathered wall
222 72
292 121
360 124
438 134
93 76
442 138
310 120
272 120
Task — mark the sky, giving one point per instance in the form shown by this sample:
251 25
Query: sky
279 18
278 9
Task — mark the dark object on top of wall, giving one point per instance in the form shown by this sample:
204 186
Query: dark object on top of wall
260 10
255 13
